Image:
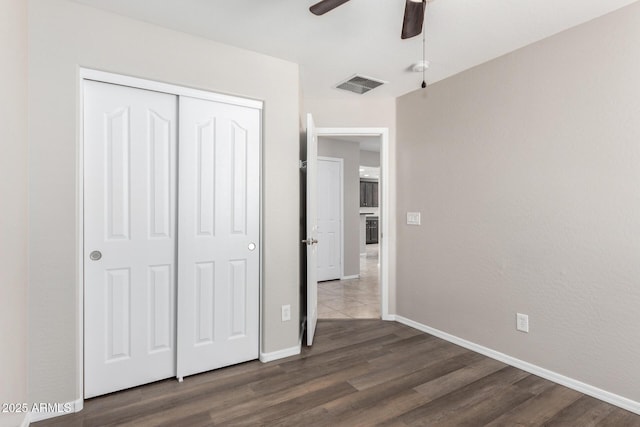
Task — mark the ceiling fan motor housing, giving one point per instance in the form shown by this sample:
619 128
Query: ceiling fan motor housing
411 24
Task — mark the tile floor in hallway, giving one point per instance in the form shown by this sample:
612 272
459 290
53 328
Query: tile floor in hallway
353 298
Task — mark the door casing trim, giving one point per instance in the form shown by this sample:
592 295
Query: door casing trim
387 248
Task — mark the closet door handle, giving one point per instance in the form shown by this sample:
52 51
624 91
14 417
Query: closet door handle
252 246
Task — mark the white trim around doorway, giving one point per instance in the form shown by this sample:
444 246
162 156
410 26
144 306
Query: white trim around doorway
387 248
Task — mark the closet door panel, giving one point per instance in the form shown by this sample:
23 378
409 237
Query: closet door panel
219 239
129 236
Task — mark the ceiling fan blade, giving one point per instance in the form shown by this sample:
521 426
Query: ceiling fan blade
325 6
413 18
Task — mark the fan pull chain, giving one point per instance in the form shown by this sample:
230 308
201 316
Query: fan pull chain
424 49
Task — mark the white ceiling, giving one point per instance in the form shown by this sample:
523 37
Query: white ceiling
363 36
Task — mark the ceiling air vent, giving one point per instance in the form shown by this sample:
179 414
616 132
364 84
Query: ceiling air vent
359 84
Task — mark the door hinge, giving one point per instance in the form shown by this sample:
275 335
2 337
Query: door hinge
302 164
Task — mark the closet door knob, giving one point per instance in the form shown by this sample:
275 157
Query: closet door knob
252 246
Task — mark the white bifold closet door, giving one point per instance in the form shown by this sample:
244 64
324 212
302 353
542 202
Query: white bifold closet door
171 252
218 244
130 236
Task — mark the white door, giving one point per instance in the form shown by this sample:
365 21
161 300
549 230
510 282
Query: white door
219 235
329 219
130 238
312 229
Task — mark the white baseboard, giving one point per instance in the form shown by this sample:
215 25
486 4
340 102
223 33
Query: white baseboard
598 393
353 276
26 420
280 354
76 406
390 317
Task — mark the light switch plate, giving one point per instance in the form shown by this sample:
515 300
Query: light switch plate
413 218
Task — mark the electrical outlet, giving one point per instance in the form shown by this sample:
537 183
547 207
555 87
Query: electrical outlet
413 218
522 322
286 313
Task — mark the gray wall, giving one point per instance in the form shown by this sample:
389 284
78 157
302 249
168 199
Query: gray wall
65 35
13 211
370 158
527 170
350 153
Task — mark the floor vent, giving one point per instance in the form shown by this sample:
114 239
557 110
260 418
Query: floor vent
359 84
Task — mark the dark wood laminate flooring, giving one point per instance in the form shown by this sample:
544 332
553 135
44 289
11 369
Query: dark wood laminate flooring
358 373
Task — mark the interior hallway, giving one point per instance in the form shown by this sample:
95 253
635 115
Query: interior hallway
353 298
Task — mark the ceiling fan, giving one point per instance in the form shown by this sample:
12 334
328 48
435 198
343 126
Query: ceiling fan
413 14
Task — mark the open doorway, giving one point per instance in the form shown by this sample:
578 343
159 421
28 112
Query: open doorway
357 293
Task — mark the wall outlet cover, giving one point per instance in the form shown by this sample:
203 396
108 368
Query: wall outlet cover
286 313
522 322
413 218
